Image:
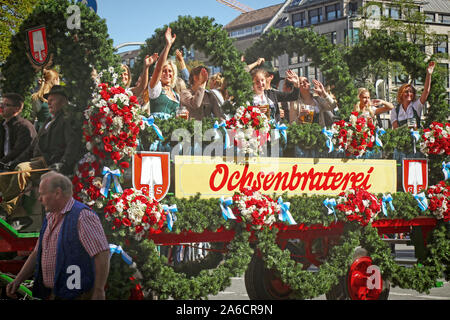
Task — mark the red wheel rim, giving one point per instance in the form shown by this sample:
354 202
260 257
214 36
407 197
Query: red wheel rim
358 281
275 286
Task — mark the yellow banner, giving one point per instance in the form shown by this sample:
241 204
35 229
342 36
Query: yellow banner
214 177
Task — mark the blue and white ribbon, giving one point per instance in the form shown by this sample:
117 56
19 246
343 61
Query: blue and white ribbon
422 201
151 123
379 133
222 125
280 129
108 176
387 199
416 136
330 204
118 249
446 170
285 215
171 217
225 204
329 136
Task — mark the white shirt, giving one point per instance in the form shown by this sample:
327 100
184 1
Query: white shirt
402 115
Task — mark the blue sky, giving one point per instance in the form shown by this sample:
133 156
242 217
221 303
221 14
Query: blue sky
136 20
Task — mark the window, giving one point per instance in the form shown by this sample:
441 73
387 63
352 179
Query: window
300 72
131 62
353 34
353 8
333 12
331 36
392 12
442 45
315 16
429 17
299 19
444 18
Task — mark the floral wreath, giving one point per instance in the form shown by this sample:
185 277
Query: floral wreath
436 139
135 211
112 123
355 136
252 128
359 205
439 203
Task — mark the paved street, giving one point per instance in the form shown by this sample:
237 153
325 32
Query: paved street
237 289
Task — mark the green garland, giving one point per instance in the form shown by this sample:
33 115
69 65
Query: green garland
421 277
306 284
74 51
166 282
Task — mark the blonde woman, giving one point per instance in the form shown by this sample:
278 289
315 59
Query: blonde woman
368 107
40 113
164 101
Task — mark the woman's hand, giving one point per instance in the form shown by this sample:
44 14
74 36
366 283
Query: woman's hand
149 60
170 39
203 76
430 68
319 88
293 77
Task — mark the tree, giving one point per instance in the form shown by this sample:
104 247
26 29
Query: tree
12 13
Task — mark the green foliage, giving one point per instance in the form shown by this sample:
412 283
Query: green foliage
210 38
12 15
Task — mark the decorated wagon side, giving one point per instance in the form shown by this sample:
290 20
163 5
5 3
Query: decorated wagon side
273 201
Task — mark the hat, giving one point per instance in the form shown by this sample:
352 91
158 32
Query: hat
57 89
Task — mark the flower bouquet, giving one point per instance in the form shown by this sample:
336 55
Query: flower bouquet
251 128
439 203
359 205
87 181
254 208
112 123
436 139
136 212
355 136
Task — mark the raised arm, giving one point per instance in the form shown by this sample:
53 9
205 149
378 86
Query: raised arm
255 64
170 39
142 83
427 85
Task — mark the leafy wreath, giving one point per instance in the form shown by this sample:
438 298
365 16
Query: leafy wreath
74 51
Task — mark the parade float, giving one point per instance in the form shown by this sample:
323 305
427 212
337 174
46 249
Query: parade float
301 210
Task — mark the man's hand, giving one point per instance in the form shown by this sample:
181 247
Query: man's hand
56 166
12 288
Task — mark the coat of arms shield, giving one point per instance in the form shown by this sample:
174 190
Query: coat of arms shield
152 170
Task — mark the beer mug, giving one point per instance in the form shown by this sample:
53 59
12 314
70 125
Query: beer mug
306 114
412 123
182 112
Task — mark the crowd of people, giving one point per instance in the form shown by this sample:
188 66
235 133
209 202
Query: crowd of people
178 92
48 143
